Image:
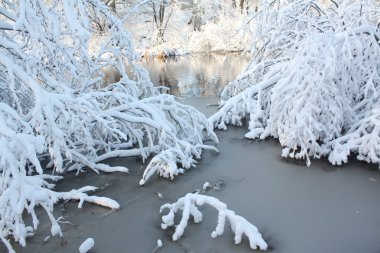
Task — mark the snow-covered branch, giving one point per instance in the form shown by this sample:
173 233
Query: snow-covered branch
188 204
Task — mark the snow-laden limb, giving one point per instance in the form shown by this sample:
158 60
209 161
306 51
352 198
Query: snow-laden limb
80 194
188 204
327 79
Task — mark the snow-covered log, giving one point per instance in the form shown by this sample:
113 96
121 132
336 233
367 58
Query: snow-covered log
188 204
314 75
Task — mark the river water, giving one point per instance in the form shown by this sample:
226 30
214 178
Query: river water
196 75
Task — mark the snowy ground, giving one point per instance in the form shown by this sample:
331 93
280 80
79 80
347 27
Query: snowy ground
320 208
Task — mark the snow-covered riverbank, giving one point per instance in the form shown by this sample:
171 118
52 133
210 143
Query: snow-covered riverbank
320 208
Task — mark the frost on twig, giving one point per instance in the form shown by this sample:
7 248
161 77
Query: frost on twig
188 205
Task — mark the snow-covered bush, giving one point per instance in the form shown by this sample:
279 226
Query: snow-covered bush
188 204
313 82
55 110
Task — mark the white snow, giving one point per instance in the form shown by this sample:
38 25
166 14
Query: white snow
87 245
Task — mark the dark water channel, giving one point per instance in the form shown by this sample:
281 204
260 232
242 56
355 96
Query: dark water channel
196 75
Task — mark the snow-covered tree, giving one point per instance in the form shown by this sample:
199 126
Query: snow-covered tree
313 82
55 111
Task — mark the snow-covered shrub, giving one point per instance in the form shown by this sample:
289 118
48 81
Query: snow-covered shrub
313 82
55 110
188 204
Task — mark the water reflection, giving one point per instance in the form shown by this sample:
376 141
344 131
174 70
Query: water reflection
196 75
